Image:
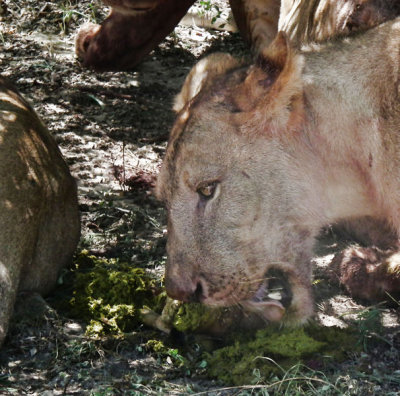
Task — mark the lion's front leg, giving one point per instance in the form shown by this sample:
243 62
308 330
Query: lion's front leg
8 291
131 31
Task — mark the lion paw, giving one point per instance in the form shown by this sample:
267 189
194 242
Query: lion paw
84 38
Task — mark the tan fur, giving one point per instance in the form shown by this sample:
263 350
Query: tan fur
83 38
257 20
203 72
39 222
319 144
135 27
307 21
132 29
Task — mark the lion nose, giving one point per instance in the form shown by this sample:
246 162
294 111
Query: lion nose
185 290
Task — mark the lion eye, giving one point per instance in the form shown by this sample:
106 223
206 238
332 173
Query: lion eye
207 191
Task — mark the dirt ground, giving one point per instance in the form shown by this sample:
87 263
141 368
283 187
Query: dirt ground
112 129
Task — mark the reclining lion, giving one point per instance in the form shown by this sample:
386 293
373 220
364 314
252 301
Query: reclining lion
39 221
262 156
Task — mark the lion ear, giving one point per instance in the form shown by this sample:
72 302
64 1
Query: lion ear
275 84
202 75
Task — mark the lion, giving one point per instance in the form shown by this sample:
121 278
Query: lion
319 20
132 29
135 27
39 218
262 156
307 21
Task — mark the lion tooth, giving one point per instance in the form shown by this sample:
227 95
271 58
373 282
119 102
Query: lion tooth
275 295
